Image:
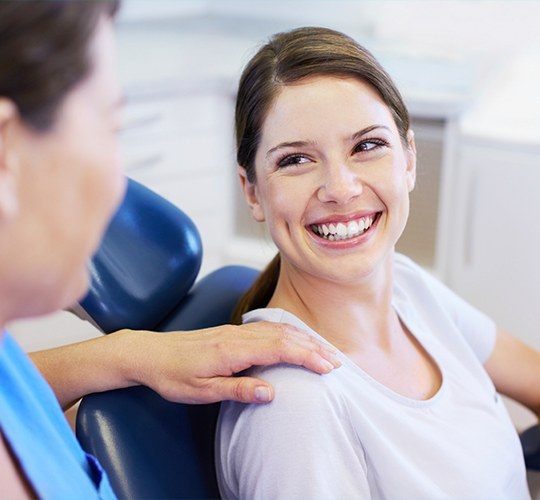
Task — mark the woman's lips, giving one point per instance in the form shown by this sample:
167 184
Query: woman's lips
348 242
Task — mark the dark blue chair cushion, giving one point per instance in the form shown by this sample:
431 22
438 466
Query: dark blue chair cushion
212 300
530 442
152 448
149 447
147 262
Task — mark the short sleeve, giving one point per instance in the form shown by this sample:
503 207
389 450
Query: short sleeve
478 329
301 445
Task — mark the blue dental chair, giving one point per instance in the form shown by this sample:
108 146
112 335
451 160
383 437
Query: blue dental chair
142 278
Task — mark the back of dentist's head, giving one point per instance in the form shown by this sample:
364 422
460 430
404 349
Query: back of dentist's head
44 47
288 58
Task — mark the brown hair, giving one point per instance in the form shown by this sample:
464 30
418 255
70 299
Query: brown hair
44 52
287 58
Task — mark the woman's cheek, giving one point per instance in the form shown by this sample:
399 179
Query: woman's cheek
274 198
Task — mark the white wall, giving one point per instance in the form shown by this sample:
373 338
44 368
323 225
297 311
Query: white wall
476 26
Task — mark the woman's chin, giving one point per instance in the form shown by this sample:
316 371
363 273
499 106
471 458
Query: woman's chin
347 275
351 268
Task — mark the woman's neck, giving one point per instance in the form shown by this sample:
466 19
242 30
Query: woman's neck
353 316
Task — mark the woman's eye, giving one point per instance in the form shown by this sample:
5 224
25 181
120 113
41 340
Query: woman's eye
292 160
369 145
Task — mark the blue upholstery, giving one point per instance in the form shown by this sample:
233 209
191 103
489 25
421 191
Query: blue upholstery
152 448
141 275
530 442
148 260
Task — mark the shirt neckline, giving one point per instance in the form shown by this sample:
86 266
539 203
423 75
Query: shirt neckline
283 316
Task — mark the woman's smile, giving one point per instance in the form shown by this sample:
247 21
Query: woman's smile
345 231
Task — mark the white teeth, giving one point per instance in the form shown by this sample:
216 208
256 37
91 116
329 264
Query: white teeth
342 231
352 228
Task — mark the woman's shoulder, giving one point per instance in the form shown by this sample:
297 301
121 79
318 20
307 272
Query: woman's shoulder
299 387
299 394
300 433
305 406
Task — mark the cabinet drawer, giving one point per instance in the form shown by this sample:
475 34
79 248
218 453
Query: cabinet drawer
185 155
170 117
195 196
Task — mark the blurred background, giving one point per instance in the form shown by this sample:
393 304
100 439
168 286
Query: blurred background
470 74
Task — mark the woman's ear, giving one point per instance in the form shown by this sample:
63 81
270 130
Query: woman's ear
250 194
410 154
9 204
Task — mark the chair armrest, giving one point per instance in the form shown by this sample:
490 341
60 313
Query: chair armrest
530 442
150 448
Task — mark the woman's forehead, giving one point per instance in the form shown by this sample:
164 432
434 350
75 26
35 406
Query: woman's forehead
324 104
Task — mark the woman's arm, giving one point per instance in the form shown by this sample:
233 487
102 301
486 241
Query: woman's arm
514 368
190 367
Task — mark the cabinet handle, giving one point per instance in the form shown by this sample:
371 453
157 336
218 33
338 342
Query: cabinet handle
145 163
469 219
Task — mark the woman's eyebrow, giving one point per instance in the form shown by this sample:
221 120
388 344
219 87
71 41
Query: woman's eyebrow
294 144
364 131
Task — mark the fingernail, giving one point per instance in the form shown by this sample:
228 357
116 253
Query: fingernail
326 365
331 350
262 394
335 361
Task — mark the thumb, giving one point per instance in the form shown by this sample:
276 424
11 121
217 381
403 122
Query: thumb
242 389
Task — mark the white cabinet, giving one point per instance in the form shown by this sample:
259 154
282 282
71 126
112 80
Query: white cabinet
494 235
179 144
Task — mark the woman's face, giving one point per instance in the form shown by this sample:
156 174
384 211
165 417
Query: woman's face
69 182
332 178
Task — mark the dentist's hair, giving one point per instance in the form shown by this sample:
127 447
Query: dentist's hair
44 52
288 58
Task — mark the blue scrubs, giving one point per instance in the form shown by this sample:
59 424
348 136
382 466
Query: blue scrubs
33 424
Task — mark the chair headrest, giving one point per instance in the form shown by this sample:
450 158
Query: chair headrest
148 260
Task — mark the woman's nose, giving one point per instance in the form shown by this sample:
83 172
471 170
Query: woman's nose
340 184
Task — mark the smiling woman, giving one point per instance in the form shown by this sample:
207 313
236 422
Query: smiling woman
327 160
333 59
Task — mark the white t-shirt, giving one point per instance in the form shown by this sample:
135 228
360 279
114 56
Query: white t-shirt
345 435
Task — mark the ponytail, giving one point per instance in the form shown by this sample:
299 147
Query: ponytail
260 292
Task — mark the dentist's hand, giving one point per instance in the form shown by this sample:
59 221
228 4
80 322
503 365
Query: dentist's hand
198 366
